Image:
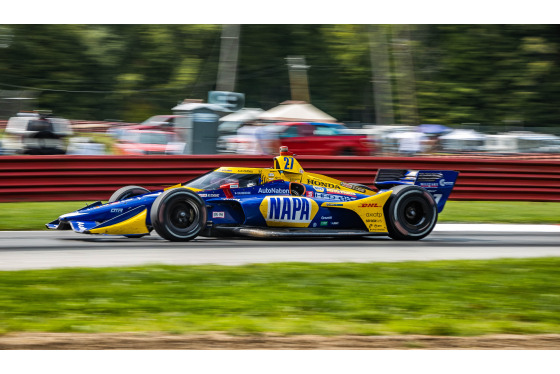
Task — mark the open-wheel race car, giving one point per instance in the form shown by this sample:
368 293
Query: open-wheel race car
279 202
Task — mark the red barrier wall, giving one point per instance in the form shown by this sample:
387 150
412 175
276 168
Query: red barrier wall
89 178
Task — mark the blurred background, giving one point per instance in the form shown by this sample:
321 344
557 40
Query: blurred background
246 89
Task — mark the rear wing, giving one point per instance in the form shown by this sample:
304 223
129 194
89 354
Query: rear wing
438 182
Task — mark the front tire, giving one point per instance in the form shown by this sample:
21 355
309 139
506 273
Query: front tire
411 213
178 215
127 192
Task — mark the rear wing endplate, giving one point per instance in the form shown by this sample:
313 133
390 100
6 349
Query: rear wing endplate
439 183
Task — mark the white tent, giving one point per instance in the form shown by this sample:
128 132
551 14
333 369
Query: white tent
463 134
296 111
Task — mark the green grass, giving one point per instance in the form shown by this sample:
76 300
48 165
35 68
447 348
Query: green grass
501 212
432 298
33 216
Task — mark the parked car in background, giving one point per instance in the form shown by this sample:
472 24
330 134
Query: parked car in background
163 122
306 138
149 142
522 142
463 140
35 133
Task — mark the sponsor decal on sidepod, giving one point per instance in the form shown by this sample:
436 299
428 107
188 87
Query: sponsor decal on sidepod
272 190
218 215
288 211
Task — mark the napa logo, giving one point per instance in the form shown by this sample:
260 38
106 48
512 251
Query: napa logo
288 211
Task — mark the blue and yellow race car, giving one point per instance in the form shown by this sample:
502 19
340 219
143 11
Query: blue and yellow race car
279 202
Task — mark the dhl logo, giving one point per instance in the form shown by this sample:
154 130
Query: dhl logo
369 205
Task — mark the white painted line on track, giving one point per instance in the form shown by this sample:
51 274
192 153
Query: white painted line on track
494 227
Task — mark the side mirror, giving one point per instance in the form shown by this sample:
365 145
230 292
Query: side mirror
229 185
227 189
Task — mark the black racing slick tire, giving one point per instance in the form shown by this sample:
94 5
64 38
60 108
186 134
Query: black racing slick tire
127 192
178 215
410 213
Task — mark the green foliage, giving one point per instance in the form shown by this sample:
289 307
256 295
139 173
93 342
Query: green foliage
483 74
109 71
488 74
433 298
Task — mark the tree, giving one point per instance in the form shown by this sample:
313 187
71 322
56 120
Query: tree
451 74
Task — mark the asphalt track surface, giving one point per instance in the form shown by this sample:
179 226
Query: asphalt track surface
56 249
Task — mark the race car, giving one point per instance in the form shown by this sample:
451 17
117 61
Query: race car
283 201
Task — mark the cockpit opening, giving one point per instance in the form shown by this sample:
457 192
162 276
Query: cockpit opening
215 179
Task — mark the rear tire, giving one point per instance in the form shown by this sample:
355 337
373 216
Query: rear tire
127 192
178 215
410 213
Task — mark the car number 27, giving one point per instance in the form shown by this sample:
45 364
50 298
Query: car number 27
289 163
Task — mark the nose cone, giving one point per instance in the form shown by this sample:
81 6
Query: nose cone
71 216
